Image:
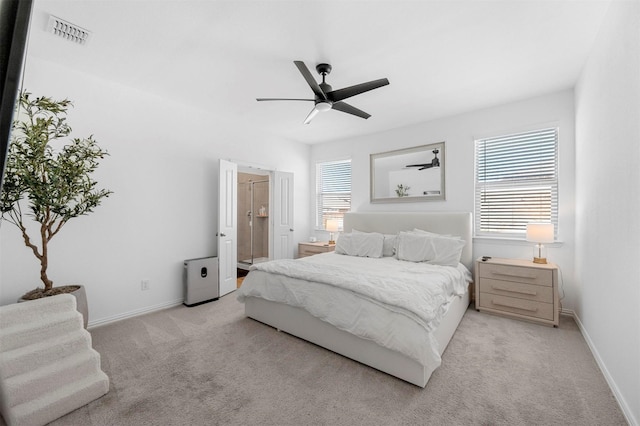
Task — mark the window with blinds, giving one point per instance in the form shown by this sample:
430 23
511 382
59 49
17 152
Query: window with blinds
516 182
333 191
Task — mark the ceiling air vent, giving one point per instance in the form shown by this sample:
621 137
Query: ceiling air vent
68 31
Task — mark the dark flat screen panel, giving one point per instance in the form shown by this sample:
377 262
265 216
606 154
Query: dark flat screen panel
14 29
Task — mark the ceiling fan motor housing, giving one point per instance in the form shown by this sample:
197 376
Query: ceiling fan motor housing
326 87
323 69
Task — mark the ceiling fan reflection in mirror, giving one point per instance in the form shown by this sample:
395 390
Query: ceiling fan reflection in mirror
325 98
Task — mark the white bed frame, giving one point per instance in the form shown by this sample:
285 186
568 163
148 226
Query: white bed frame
299 323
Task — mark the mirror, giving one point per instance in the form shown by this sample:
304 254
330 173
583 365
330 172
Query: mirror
410 174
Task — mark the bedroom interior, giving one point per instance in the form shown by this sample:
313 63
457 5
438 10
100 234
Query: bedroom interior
167 113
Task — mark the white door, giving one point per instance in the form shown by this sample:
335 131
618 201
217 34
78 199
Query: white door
227 227
283 216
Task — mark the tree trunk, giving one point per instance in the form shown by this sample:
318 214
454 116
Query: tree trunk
44 260
43 274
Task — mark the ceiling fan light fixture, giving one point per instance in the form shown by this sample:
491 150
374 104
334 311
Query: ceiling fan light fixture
323 106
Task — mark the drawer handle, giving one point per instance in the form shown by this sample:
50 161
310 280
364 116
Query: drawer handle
514 275
527 292
512 306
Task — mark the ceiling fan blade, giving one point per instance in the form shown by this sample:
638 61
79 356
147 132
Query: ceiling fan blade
345 107
312 114
310 80
282 99
347 92
421 166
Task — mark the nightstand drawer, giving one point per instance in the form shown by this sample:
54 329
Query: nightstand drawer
309 249
517 306
518 290
517 274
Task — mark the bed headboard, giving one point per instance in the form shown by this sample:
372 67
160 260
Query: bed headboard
453 223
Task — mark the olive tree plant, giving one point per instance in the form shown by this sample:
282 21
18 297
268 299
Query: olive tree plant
52 185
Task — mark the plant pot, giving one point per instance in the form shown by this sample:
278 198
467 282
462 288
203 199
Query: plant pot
79 293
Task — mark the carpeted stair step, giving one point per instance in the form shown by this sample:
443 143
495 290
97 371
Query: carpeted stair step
47 365
53 405
19 335
22 360
51 376
39 310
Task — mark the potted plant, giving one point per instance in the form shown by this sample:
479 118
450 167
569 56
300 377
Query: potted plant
54 183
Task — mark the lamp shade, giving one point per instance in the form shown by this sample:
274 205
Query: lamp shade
540 232
332 225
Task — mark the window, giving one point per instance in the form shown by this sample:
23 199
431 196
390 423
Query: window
516 182
333 191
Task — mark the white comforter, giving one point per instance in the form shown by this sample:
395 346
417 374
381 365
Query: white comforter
395 303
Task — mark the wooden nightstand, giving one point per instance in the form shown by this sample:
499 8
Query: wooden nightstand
519 289
309 249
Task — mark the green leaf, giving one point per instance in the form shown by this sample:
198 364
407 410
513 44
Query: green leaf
56 185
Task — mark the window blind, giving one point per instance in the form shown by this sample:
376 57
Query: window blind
333 191
516 182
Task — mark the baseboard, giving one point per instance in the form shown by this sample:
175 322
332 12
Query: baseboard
626 411
131 314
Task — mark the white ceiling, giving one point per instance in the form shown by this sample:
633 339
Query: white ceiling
441 57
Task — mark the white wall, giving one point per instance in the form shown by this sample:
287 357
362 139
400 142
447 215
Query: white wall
608 202
162 167
459 133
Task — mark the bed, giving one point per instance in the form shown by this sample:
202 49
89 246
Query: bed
411 351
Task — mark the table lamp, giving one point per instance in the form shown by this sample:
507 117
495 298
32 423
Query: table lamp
332 226
540 233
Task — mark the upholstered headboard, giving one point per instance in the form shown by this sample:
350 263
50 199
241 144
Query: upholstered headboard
452 223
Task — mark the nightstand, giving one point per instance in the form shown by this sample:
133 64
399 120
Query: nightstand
309 249
518 289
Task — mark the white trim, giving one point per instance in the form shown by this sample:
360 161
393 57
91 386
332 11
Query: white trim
491 162
624 407
334 159
506 130
254 166
135 313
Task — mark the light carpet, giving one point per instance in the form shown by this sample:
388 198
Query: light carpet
210 365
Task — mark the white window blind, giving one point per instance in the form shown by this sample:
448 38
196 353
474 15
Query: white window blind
516 182
333 191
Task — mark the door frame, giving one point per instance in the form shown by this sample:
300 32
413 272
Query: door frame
244 167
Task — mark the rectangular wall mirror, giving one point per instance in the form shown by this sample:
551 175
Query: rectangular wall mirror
410 174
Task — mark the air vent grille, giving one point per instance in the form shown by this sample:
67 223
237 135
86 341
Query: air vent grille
68 31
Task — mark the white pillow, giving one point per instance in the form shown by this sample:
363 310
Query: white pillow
430 248
388 244
362 244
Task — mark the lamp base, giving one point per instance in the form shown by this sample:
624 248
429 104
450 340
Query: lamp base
542 260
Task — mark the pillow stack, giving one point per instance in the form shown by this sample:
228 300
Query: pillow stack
411 246
423 246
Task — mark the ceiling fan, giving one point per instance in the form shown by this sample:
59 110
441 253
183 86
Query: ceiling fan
435 162
326 98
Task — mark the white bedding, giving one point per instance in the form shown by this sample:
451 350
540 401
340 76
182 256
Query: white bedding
394 303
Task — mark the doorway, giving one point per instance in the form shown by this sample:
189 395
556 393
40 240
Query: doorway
279 220
253 219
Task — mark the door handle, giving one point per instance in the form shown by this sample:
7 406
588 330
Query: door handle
222 234
291 229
